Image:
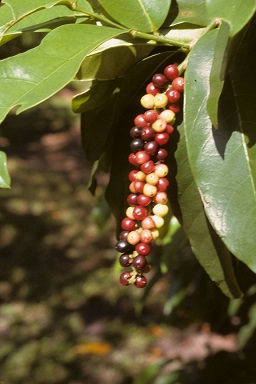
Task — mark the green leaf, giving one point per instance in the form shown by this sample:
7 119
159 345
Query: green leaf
208 249
218 72
220 160
4 175
192 12
31 77
235 12
104 62
185 36
142 15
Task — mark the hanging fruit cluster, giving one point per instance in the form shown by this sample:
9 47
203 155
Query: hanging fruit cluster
147 199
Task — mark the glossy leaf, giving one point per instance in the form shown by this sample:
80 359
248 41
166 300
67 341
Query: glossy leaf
218 72
219 159
142 15
185 36
29 78
4 175
20 9
208 249
192 12
236 12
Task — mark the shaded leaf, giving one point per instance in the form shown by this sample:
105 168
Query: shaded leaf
4 175
35 75
142 15
208 249
185 36
26 7
219 159
105 62
235 12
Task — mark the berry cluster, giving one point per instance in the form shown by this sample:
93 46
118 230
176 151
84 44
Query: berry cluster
147 199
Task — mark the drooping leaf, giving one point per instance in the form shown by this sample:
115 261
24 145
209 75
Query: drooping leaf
4 175
220 159
208 249
33 76
113 59
235 12
142 15
218 72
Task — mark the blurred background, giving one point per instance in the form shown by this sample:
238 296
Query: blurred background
64 317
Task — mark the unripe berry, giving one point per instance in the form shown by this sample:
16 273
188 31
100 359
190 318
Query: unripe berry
159 125
167 115
158 220
160 197
140 176
133 237
161 170
160 209
148 223
149 190
152 178
161 100
129 213
148 101
155 234
146 236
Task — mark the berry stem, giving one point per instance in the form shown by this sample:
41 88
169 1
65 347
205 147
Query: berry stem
160 39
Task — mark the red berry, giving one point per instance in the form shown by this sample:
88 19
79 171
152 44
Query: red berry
169 129
162 138
125 276
171 72
142 249
142 157
151 147
159 80
150 116
132 159
161 154
132 199
162 184
140 212
178 84
125 260
148 166
147 133
173 95
128 224
138 186
135 132
139 262
152 89
175 107
140 121
132 174
143 200
140 281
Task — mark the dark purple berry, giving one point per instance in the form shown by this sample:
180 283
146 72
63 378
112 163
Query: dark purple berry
139 262
125 276
125 260
140 281
159 80
135 132
151 147
136 145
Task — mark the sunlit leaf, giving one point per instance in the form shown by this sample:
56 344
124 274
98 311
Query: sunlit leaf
220 160
142 15
4 175
192 12
236 12
31 77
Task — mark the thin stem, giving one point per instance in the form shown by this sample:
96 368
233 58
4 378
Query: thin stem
101 18
160 39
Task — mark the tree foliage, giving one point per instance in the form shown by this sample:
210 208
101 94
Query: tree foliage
115 48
